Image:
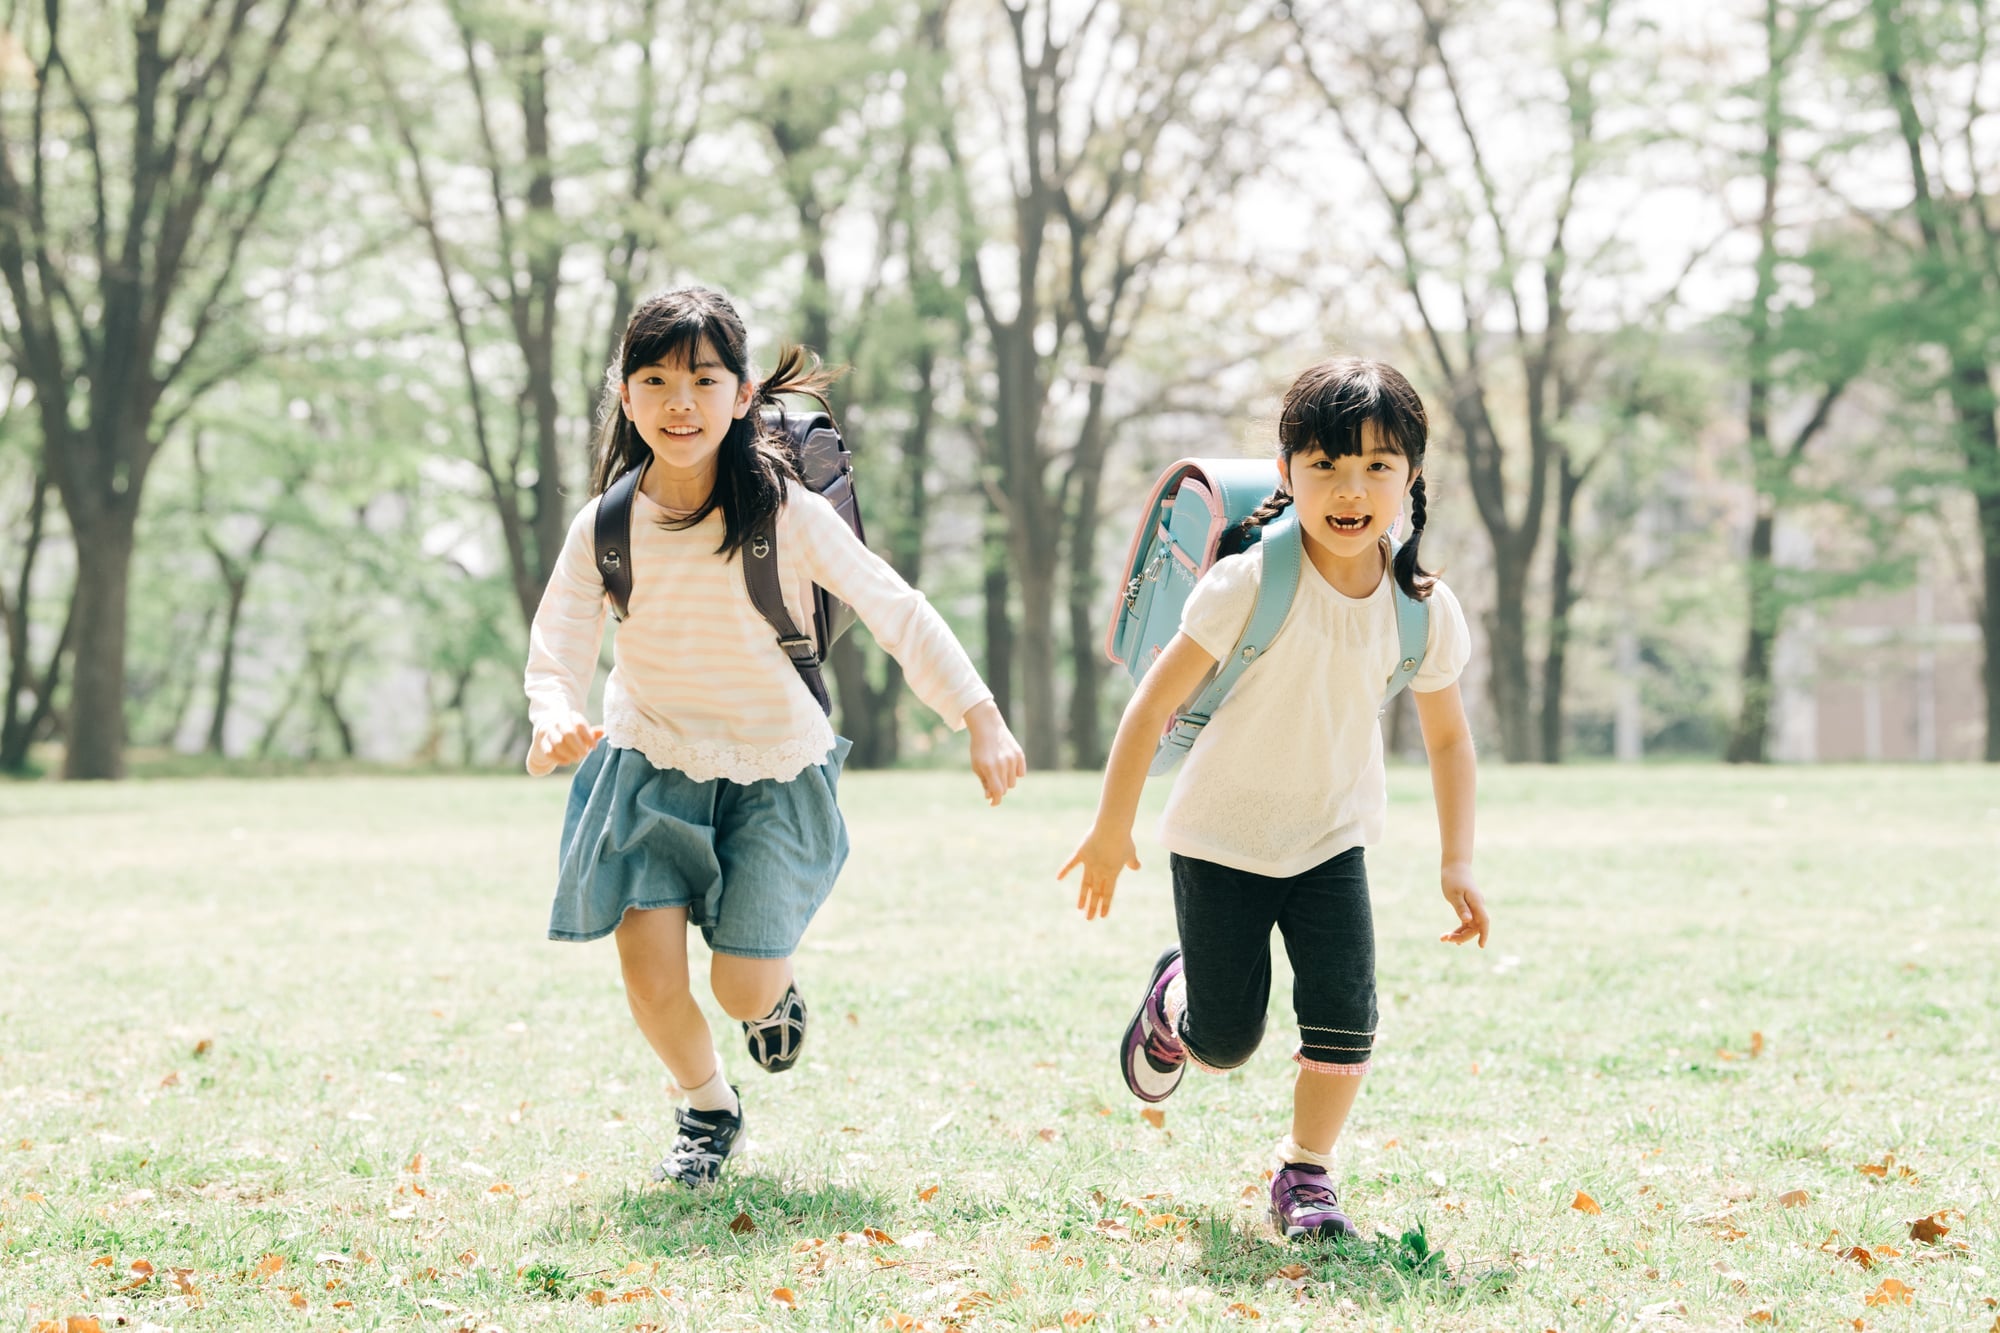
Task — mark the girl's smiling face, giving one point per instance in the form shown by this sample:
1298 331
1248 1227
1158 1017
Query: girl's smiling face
1346 504
682 411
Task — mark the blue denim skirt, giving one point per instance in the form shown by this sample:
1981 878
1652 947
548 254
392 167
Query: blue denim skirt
751 863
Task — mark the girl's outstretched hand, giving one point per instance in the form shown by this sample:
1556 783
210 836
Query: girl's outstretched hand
997 759
1464 897
555 746
1102 855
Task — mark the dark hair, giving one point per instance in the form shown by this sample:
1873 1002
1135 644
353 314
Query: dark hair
752 465
1326 410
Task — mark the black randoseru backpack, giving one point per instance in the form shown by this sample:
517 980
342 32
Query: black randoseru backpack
826 468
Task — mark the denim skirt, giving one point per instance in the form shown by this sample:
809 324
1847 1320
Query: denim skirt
751 862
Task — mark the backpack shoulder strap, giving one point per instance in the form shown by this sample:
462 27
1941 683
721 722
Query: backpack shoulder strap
1413 633
1277 584
760 578
612 536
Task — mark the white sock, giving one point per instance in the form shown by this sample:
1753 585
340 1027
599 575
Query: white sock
1175 1002
1290 1154
716 1094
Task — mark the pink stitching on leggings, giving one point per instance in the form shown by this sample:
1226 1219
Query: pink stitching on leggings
1322 1067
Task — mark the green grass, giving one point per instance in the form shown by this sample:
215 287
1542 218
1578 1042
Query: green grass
233 1014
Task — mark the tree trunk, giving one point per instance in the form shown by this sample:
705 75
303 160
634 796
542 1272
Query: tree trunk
1086 732
999 626
1749 744
225 673
1973 396
1562 599
104 541
1507 631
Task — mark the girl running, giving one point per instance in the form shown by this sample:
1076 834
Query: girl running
1285 786
707 797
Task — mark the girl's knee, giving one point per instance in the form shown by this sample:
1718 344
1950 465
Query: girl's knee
748 988
1224 1051
657 988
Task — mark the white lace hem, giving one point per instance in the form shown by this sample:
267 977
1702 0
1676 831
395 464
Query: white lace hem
705 761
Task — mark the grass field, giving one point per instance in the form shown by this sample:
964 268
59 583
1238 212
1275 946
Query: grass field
295 1055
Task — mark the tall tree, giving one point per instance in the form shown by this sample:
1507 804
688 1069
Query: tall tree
121 261
1493 253
1124 125
1934 62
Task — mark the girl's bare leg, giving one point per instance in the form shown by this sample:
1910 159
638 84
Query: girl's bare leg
1320 1103
748 988
652 953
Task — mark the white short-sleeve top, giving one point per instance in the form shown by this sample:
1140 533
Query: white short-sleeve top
1289 771
698 681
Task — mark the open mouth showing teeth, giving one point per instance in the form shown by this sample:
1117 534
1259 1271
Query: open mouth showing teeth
683 430
1349 522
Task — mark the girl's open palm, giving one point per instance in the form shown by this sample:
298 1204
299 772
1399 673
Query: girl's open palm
1103 856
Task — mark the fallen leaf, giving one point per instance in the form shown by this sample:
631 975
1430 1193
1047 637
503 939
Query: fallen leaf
203 1047
899 1320
173 1078
1583 1203
104 1261
1729 1273
1293 1272
1929 1230
499 1187
416 1165
1794 1199
1757 1317
298 1301
786 1297
972 1300
1242 1311
1046 1135
878 1236
1874 1169
1042 1243
268 1265
926 1194
742 1225
1891 1292
597 1296
1392 1143
1078 1318
1154 1116
853 1021
82 1323
1756 1047
1887 1252
1859 1256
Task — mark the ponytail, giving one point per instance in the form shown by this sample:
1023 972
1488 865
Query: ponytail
1414 580
1237 539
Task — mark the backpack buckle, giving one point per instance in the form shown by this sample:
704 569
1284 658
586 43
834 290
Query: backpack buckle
792 643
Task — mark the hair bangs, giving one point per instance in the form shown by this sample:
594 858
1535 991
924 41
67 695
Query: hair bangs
1330 407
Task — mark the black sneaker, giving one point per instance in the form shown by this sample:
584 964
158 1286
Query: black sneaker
702 1141
776 1039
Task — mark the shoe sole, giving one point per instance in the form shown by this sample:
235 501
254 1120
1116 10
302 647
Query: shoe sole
1125 1047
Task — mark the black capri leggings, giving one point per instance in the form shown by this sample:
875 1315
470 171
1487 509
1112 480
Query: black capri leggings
1225 919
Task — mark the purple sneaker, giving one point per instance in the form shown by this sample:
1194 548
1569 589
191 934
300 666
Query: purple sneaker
1151 1056
1304 1204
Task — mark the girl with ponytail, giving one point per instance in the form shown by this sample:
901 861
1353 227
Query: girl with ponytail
707 797
1285 786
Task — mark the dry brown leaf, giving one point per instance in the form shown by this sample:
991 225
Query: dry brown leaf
499 1187
1242 1311
172 1079
786 1297
1757 1317
1583 1203
298 1301
1293 1272
1078 1318
1875 1169
268 1265
1858 1255
416 1165
900 1320
1929 1230
1042 1243
1154 1116
597 1296
1794 1199
82 1323
1891 1292
878 1236
742 1224
1887 1252
926 1194
972 1300
1046 1135
1756 1044
104 1261
203 1047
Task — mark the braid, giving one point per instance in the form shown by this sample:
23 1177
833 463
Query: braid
1237 539
1414 579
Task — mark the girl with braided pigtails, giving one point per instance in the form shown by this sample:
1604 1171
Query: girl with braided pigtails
1285 786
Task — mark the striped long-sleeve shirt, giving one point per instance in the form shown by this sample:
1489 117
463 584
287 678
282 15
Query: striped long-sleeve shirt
698 681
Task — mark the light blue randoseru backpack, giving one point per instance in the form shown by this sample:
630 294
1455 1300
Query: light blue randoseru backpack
1194 503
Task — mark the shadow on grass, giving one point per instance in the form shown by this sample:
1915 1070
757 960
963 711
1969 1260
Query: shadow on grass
780 1210
1379 1269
